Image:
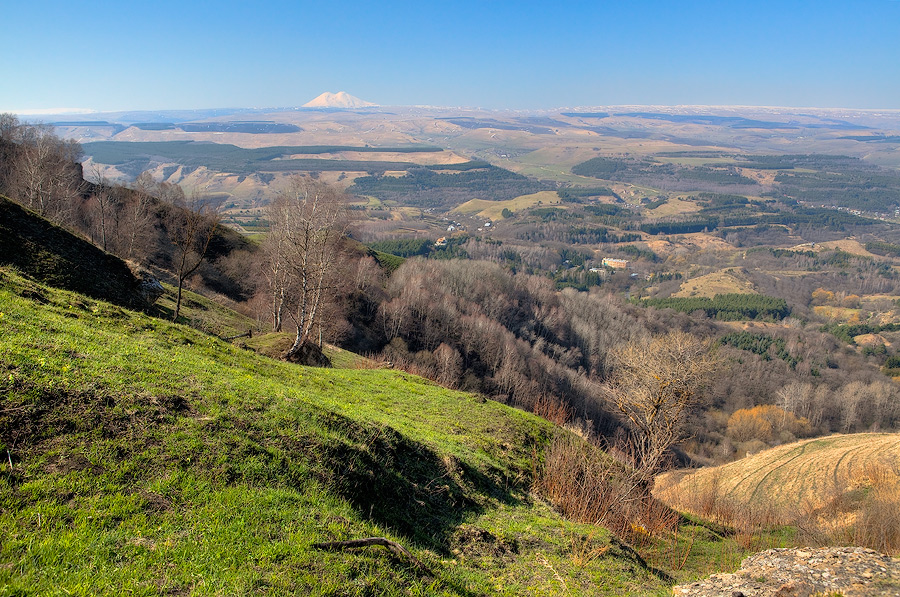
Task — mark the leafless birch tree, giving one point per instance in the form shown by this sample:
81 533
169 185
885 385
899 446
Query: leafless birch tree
307 222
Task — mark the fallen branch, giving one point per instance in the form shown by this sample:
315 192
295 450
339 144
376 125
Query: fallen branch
368 542
247 334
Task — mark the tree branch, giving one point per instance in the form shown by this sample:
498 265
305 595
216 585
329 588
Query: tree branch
368 542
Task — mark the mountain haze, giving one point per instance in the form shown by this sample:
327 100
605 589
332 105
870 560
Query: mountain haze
341 99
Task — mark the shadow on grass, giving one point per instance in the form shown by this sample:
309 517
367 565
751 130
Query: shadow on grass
404 485
398 483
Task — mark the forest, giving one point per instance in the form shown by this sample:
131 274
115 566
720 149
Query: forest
815 179
431 187
137 156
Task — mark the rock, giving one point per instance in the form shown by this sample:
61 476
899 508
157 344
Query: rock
308 354
849 571
150 289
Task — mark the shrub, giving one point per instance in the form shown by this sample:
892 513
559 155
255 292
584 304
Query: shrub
766 423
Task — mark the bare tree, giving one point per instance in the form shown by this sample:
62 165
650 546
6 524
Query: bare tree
9 127
192 225
104 205
138 217
449 365
275 271
45 176
655 383
307 222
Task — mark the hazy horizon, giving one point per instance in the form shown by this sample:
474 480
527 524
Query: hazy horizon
250 110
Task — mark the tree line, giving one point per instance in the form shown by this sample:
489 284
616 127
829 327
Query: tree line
151 223
727 307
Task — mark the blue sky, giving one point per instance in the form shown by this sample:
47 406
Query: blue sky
521 55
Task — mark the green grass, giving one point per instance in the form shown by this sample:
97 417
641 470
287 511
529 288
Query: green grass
151 458
147 454
203 314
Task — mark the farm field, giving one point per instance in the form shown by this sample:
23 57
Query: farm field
802 475
494 209
722 282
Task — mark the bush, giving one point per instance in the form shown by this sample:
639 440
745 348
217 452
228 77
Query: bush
766 423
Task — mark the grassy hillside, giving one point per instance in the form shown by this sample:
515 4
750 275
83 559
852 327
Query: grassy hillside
728 281
149 458
47 252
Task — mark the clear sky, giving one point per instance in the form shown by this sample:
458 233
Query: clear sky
165 54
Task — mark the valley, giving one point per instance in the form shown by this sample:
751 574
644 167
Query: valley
492 271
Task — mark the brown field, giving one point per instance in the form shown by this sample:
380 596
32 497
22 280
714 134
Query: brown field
850 245
721 282
675 206
764 177
797 477
698 241
492 209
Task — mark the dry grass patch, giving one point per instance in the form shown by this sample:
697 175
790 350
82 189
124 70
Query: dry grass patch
848 245
492 210
763 177
871 340
675 206
837 490
728 281
837 313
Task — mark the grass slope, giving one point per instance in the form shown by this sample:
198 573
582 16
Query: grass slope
150 458
728 281
56 256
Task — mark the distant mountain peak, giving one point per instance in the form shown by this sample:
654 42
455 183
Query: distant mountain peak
341 99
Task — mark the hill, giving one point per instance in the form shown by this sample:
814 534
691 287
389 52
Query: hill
803 472
840 484
148 457
49 253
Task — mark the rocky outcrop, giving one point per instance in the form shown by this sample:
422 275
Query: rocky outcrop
150 289
846 571
308 354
